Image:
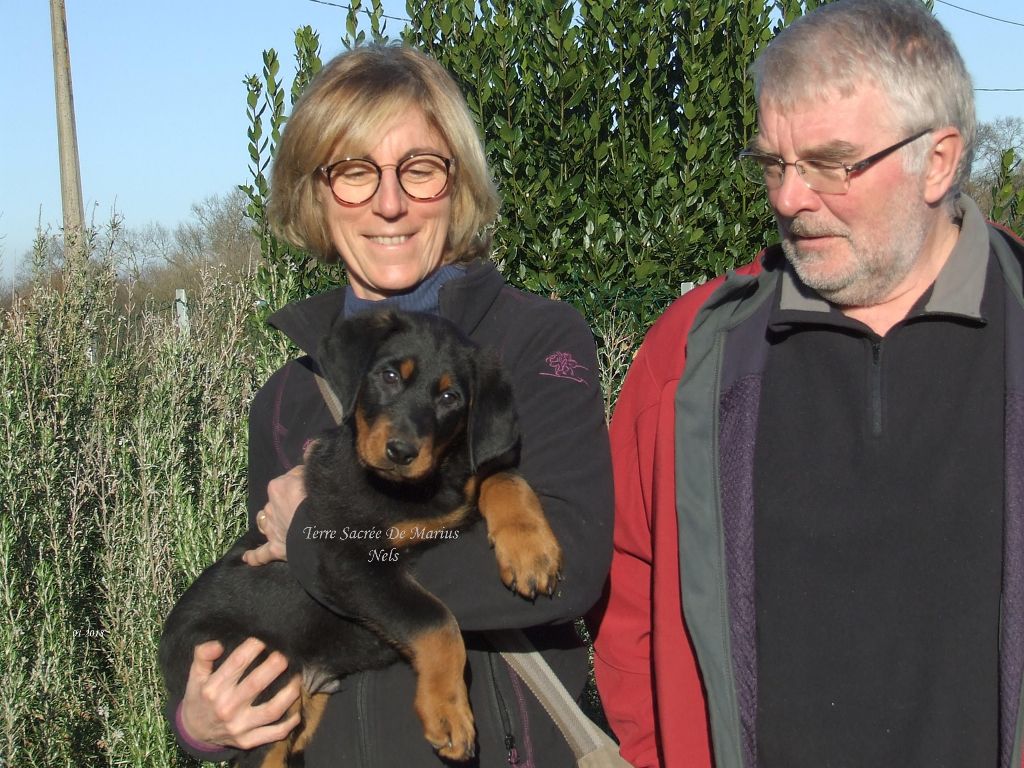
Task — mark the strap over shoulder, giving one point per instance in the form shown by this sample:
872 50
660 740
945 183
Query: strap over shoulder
331 399
592 747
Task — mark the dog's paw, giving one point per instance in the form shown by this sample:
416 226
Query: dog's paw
529 557
448 725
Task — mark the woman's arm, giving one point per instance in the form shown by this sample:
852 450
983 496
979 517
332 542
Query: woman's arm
218 710
565 459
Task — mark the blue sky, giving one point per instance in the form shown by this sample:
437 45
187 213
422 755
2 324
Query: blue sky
160 102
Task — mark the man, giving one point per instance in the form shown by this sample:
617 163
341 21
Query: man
819 547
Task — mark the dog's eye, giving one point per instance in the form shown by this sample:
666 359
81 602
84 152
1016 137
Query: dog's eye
390 376
448 398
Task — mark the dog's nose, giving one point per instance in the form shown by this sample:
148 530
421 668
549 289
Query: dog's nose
400 451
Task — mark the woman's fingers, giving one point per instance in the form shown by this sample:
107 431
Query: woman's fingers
272 711
284 494
219 704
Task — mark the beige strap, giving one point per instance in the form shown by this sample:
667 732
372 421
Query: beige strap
590 745
333 403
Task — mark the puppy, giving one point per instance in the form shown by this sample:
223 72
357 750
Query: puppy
429 439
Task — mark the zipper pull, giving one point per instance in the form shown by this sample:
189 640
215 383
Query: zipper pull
510 747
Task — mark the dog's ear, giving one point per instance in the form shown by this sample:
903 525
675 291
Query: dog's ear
493 426
349 349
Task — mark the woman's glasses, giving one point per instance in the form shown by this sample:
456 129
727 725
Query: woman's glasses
355 180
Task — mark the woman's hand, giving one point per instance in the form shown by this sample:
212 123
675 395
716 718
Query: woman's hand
284 494
218 709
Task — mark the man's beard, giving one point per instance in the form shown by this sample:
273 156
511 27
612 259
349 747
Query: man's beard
876 261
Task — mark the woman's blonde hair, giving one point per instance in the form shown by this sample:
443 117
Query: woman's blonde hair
344 110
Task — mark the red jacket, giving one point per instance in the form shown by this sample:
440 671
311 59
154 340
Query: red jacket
641 627
666 708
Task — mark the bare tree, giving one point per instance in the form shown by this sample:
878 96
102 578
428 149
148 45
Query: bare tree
154 259
218 235
993 141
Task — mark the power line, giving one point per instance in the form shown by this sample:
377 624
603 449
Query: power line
944 2
984 15
405 20
364 10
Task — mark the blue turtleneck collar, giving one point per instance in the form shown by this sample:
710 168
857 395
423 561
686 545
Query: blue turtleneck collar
423 298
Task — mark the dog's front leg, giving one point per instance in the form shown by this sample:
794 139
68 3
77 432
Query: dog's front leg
529 557
425 632
442 702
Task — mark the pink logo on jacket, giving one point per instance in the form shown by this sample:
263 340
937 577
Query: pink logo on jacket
564 366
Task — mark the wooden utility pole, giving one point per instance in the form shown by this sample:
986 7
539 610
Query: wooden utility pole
67 139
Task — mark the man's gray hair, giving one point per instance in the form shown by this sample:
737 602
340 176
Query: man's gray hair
896 44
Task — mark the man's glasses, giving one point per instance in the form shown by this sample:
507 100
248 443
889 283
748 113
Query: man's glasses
825 176
353 181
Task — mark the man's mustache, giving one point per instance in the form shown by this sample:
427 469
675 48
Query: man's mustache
805 228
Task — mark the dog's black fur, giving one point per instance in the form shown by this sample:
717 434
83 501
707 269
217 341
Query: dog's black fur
430 432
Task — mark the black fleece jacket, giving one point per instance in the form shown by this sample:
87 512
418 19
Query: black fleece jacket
549 353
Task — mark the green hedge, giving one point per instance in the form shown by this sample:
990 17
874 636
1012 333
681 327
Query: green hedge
612 128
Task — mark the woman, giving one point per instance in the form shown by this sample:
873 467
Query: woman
380 166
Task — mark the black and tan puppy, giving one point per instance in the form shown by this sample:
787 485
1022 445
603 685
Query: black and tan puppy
428 439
